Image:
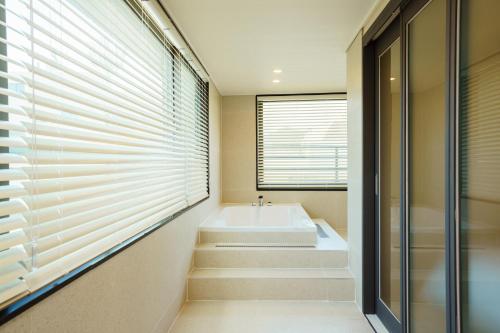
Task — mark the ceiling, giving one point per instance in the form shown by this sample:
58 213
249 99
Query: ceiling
241 42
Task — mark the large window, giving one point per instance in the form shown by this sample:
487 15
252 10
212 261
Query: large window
302 142
104 135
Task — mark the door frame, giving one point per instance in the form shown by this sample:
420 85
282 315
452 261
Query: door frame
383 43
405 10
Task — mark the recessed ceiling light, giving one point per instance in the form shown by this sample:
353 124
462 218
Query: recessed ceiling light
276 81
277 71
393 78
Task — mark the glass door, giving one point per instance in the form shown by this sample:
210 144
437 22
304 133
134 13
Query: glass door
479 165
434 121
388 174
426 166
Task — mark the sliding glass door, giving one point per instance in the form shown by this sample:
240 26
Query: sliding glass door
426 179
388 174
432 181
479 165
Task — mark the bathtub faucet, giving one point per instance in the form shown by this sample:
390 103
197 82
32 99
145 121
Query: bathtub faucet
261 200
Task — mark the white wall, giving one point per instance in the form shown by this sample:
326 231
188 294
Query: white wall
142 288
239 168
355 138
355 166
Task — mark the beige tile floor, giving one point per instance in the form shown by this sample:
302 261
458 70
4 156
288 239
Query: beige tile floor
270 317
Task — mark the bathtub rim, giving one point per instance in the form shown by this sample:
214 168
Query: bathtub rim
205 225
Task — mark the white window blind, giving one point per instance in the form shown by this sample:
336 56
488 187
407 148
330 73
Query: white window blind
301 142
103 134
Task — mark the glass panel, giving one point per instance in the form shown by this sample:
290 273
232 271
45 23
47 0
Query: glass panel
480 164
389 173
426 134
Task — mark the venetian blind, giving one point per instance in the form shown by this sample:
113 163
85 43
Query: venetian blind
104 134
479 130
302 142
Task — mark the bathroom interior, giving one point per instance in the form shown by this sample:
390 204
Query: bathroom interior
223 166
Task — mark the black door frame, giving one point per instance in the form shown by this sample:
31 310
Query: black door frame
406 9
390 35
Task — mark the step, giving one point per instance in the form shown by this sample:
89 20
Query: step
260 237
422 258
213 256
426 285
434 237
270 284
330 252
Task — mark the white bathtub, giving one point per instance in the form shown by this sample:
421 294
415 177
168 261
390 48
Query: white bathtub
283 224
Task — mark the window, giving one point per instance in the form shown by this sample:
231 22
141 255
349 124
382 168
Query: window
104 130
302 142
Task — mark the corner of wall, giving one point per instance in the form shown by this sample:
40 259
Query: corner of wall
355 169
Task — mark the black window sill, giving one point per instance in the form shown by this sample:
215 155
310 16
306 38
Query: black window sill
310 189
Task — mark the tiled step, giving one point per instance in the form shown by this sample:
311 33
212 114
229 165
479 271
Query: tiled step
270 284
422 258
434 258
293 238
212 256
426 285
329 252
434 237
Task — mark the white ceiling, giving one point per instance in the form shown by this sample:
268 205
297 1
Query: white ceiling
240 42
